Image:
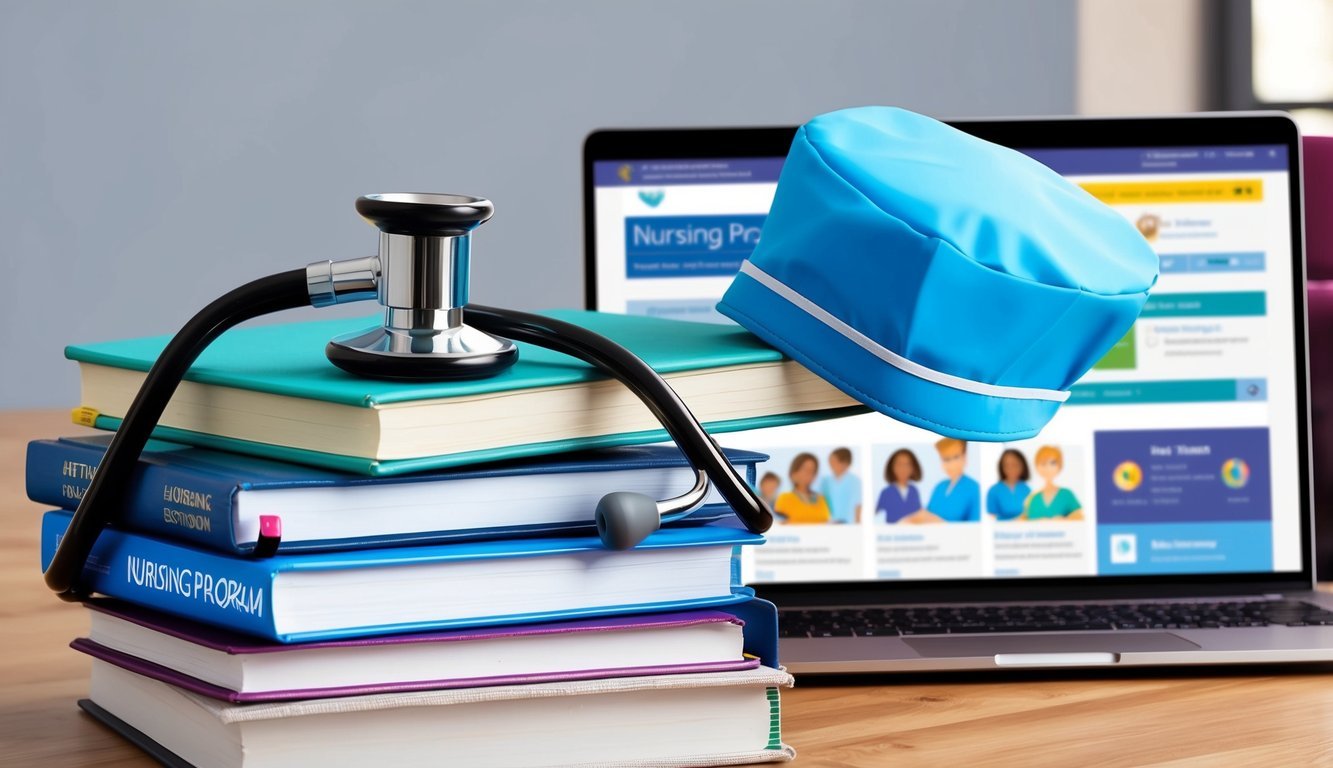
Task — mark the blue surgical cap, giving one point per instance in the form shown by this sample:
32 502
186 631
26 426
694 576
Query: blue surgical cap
940 279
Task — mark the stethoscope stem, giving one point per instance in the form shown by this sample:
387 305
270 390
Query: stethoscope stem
680 506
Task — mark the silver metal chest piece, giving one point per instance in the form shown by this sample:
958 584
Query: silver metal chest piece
421 279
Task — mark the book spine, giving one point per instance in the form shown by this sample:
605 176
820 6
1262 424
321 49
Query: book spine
167 501
228 592
760 630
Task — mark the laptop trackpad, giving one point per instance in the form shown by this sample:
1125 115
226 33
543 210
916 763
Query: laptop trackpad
995 645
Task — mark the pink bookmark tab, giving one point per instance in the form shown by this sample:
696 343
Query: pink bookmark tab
270 526
270 536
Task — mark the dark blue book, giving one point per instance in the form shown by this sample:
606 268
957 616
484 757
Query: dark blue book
215 499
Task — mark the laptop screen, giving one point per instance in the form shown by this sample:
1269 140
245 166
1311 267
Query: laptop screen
1177 453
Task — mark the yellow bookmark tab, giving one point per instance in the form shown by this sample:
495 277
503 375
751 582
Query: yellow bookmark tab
84 416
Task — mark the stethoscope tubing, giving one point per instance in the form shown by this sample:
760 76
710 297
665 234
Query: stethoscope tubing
107 492
679 422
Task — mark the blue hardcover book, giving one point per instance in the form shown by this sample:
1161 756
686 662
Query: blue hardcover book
216 499
329 595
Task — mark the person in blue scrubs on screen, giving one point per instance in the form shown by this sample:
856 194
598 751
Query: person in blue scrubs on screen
900 499
842 488
956 498
1005 499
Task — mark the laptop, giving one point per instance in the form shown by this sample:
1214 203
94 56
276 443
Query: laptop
1163 517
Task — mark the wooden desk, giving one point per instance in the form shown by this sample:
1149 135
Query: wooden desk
1230 717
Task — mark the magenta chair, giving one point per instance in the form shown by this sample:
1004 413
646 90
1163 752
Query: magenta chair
1318 166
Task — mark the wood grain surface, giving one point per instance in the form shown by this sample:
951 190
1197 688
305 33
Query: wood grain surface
1266 716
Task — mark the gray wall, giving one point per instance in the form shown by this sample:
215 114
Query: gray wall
156 154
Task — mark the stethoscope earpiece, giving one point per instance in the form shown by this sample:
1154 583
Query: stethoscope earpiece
625 518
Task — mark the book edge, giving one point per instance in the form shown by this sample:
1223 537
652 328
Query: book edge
761 676
153 749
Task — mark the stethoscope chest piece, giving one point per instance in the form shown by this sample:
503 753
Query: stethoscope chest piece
420 277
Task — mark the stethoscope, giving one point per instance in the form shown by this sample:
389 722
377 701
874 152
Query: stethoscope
420 277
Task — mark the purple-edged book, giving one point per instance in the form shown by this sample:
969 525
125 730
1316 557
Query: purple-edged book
241 669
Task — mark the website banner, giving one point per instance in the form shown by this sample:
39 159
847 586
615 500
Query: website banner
689 246
744 170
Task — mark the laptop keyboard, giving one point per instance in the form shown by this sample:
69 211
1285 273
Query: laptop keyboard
957 620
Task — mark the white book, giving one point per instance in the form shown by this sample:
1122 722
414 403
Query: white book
240 669
719 718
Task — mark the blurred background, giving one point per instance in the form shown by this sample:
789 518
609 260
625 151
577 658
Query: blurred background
154 154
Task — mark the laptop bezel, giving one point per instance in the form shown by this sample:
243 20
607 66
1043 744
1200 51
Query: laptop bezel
1022 133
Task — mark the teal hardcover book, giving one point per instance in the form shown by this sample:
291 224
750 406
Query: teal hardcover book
270 391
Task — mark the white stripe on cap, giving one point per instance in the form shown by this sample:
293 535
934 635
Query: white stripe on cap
891 357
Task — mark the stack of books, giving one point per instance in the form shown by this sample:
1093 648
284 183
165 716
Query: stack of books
438 593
